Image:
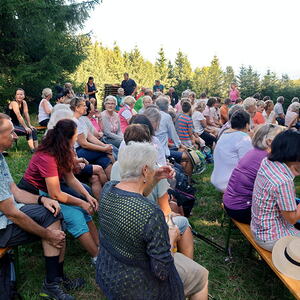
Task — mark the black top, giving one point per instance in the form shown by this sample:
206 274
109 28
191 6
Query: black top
91 89
174 98
128 86
13 116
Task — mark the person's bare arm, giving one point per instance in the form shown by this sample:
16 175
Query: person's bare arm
55 237
293 121
26 114
84 143
292 216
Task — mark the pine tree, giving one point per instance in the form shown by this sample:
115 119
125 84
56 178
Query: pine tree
215 78
229 77
270 84
249 81
161 67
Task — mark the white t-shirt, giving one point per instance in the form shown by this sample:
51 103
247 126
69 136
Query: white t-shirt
230 148
290 116
42 114
81 128
197 117
278 109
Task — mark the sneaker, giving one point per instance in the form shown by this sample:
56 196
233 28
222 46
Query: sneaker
94 261
72 284
54 291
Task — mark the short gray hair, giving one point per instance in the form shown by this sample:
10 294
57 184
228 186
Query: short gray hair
280 99
295 99
250 101
133 157
153 114
260 103
46 92
110 97
147 97
294 107
264 133
163 103
129 100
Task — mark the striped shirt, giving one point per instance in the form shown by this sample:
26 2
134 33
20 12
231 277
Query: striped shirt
274 191
184 123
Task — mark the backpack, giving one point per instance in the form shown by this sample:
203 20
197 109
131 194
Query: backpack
8 289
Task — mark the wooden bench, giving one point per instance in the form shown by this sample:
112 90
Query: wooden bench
40 128
292 284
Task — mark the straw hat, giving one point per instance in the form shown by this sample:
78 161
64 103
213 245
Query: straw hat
286 256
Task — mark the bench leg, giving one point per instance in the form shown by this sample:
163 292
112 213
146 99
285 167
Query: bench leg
228 236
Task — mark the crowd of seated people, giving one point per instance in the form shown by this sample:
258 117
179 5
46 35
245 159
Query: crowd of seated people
117 163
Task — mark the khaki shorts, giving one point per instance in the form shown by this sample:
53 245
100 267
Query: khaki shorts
193 275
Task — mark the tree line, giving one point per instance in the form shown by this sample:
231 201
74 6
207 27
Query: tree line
40 47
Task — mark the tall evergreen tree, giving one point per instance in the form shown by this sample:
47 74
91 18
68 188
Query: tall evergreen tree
161 67
38 44
249 81
215 78
270 84
229 77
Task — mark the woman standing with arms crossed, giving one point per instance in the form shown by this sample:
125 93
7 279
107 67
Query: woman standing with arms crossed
18 110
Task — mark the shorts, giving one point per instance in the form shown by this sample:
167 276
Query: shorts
177 155
182 223
75 219
14 235
94 157
193 276
85 174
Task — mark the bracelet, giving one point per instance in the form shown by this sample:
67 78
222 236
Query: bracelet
40 200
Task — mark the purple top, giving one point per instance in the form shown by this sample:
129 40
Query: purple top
238 194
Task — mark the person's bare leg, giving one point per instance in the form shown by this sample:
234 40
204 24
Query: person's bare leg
202 295
96 186
31 144
88 244
50 250
186 244
94 232
98 170
36 144
108 171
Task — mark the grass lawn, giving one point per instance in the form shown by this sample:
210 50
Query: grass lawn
234 278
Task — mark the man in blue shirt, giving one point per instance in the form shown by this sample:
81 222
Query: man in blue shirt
128 85
158 87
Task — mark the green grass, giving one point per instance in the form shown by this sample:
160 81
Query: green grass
234 278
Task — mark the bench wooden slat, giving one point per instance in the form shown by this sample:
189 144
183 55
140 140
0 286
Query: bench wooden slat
292 284
40 127
3 251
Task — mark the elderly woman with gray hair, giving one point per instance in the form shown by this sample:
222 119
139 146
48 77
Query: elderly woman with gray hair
111 122
45 107
238 195
126 112
292 116
136 258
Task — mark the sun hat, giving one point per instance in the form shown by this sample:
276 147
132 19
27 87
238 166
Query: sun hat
286 256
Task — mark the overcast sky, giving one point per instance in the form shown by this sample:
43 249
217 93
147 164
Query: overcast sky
261 33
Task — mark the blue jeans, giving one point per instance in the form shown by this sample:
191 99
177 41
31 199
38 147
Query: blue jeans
94 157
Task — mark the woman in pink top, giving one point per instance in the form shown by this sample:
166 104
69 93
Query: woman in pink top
233 93
126 112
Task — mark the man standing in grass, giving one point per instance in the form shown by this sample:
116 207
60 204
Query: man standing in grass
25 218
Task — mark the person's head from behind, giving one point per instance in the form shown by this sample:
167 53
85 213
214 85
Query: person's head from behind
20 95
126 76
264 135
78 106
59 142
285 149
137 163
249 105
68 85
143 120
200 106
257 96
239 101
294 107
148 92
121 92
240 120
295 99
130 101
269 105
137 133
203 96
265 98
157 82
185 94
110 103
233 109
47 93
227 101
7 132
186 107
154 116
163 103
211 102
60 98
280 99
260 106
147 100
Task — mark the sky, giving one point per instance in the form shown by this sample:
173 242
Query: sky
261 33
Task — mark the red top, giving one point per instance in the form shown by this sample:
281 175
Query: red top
259 118
41 166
